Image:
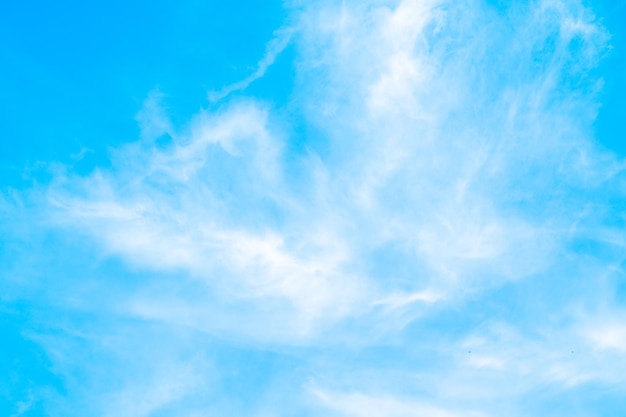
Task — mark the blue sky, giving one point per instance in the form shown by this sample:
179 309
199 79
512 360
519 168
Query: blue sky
326 208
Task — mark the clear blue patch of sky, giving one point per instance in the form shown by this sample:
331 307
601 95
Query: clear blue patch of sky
74 74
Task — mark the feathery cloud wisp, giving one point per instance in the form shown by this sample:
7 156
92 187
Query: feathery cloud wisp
445 204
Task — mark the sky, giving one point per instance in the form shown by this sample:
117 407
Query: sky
374 208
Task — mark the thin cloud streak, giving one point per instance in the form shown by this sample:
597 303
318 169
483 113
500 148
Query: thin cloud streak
275 47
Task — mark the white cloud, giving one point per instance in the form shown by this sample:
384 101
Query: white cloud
432 146
447 155
281 40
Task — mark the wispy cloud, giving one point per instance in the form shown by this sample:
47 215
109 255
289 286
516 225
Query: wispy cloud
360 405
446 205
281 40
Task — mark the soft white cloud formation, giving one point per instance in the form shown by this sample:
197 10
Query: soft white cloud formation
211 205
446 159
